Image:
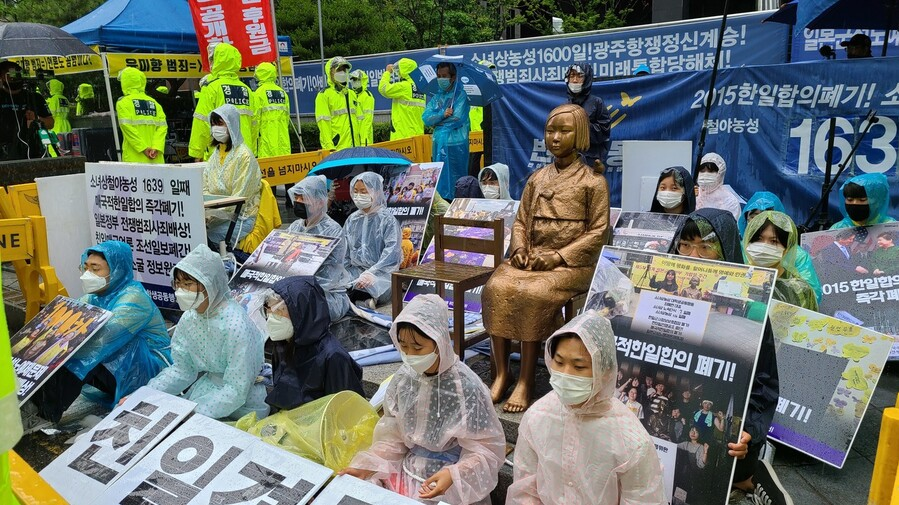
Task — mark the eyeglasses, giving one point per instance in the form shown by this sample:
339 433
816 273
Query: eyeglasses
704 249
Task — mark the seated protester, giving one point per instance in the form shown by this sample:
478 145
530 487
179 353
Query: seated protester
468 187
712 234
128 351
307 362
216 348
712 193
373 241
772 240
577 444
866 199
440 438
675 192
232 170
762 201
494 181
310 205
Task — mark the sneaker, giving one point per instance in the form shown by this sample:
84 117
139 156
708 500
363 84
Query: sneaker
31 421
768 489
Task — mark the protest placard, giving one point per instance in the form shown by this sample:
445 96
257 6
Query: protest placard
156 209
99 457
828 371
686 357
50 339
409 192
206 461
859 273
648 231
348 490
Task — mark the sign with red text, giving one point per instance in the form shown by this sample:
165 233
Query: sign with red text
247 25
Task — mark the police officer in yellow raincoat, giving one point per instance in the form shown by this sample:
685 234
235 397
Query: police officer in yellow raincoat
59 106
366 104
141 119
408 101
336 108
272 111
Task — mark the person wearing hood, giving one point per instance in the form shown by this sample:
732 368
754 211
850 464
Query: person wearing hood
494 181
772 240
271 108
216 348
447 113
802 260
712 234
141 120
865 201
223 87
307 360
578 444
232 170
579 80
675 192
712 193
407 102
337 111
59 106
310 205
476 115
86 101
440 438
365 101
128 351
373 240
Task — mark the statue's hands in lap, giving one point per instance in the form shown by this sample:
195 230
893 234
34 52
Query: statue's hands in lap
519 259
546 261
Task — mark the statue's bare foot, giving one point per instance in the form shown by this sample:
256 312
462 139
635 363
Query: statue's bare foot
519 400
499 387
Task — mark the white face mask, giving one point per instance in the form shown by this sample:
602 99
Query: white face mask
764 255
279 327
220 133
340 77
669 199
92 283
491 192
420 364
575 87
362 200
571 389
707 179
188 300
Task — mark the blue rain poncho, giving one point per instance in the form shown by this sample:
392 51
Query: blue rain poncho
373 239
133 345
764 200
312 363
222 344
449 143
877 188
332 275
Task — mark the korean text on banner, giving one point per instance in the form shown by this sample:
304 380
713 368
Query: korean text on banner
248 25
409 192
162 66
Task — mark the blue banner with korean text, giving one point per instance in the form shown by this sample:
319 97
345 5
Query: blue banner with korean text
807 44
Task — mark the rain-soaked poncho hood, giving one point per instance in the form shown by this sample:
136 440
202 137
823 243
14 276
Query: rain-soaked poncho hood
761 201
85 90
782 221
133 81
56 87
718 161
121 265
596 333
683 179
266 72
307 307
363 78
375 185
586 86
206 267
406 66
226 61
314 190
502 176
336 62
231 117
877 188
719 225
429 314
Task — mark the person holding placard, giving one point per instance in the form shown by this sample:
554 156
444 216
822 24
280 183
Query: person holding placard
674 192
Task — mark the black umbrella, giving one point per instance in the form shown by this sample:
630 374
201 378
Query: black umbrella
32 39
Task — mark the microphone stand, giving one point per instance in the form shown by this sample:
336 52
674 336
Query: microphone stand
822 206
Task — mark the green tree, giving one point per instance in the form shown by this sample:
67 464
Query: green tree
577 15
48 12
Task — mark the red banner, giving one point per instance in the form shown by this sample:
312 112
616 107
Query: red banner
247 25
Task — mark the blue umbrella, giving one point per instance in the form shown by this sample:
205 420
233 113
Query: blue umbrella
477 80
785 15
850 14
353 160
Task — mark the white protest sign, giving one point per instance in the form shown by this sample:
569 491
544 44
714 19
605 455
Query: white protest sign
68 234
97 459
347 490
667 452
672 317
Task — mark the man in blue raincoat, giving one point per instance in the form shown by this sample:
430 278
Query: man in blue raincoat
448 113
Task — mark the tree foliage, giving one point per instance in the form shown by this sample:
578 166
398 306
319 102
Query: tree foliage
48 12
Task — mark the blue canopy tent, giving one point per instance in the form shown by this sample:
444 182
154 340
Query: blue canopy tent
138 25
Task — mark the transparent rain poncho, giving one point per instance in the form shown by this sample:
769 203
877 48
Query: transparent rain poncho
222 344
501 171
597 453
373 238
332 276
435 422
717 196
877 189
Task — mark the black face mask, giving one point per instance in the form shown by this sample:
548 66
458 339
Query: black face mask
299 210
858 213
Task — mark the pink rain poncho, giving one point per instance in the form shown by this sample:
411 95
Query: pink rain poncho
435 422
597 453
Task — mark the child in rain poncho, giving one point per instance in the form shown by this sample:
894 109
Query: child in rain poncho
494 180
866 199
373 240
310 203
447 113
712 193
578 444
215 341
439 425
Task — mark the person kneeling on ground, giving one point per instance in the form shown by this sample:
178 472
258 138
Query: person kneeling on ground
308 362
440 438
578 444
215 340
